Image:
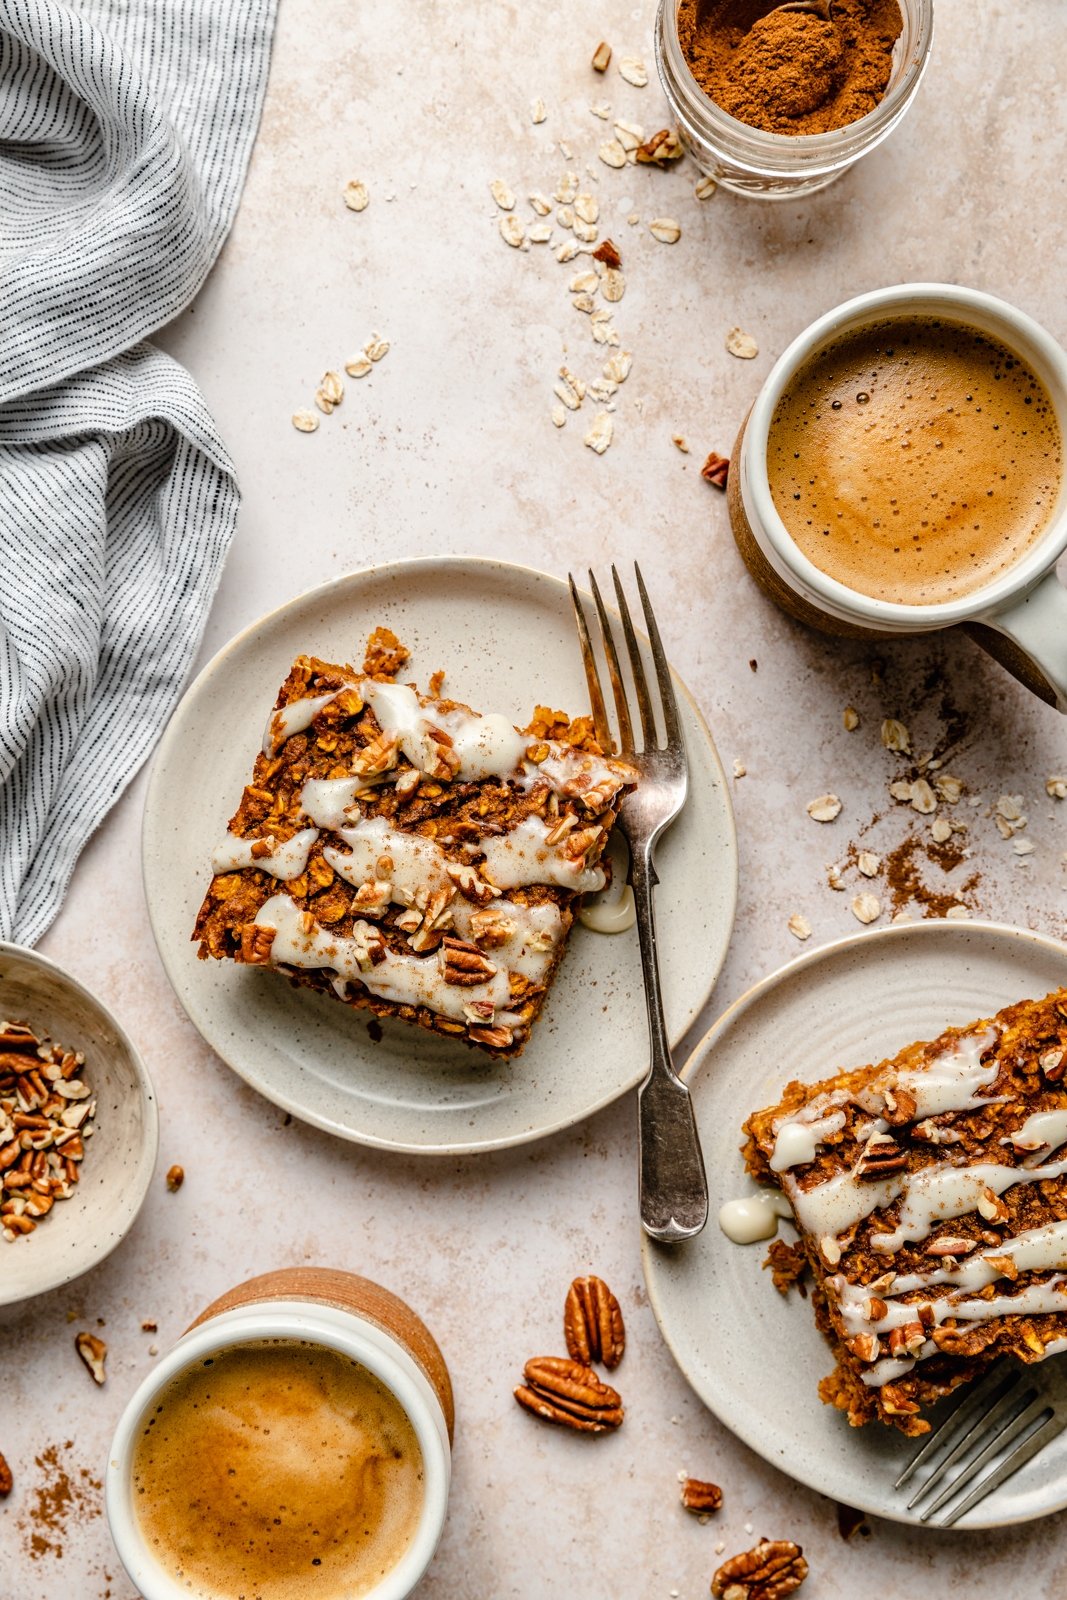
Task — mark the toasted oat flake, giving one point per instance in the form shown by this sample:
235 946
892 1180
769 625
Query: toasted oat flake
666 230
630 135
584 283
851 719
504 197
332 387
1022 847
940 830
512 231
570 389
584 302
600 434
602 110
567 250
542 206
799 926
1010 807
305 421
1056 787
613 286
895 736
923 798
617 367
376 347
958 914
540 233
355 195
586 207
633 219
584 231
824 808
537 110
869 864
359 367
601 389
633 71
681 442
565 216
612 153
559 416
705 188
566 189
740 770
742 345
324 403
949 788
866 908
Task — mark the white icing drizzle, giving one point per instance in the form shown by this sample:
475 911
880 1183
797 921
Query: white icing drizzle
294 718
326 800
754 1216
402 979
1042 1130
937 1193
839 1203
530 946
615 914
523 857
286 861
952 1080
416 863
796 1141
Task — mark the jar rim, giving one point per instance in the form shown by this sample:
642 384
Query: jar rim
787 153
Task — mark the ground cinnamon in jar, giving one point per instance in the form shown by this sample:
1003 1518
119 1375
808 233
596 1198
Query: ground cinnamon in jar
791 71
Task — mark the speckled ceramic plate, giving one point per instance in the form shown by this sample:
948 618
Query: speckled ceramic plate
752 1356
78 1233
505 637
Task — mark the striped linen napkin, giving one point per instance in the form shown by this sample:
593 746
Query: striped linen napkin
125 132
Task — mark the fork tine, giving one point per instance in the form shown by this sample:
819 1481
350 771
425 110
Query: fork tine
637 667
1018 1458
671 722
1019 1423
622 710
592 675
990 1390
1008 1404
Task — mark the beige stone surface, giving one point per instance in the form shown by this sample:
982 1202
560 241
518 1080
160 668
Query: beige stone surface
448 445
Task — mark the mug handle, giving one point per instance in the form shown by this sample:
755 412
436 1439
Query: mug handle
1029 637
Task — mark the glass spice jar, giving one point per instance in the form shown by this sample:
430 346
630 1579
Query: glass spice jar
780 166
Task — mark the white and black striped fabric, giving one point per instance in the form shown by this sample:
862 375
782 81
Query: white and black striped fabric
125 132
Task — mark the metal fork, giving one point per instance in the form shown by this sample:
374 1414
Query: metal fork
673 1188
1017 1409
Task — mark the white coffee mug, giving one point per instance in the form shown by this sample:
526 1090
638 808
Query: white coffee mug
340 1312
1021 616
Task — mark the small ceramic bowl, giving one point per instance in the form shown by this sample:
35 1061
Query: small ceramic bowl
119 1158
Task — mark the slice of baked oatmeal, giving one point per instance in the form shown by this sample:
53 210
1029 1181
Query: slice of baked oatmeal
930 1192
407 855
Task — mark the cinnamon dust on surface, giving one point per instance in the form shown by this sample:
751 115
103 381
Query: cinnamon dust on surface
791 72
64 1495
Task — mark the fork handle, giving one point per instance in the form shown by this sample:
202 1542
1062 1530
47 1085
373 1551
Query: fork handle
673 1186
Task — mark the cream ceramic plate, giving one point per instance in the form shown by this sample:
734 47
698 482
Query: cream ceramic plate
752 1356
505 637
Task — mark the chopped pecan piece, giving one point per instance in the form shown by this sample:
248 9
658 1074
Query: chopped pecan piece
6 1480
464 963
380 755
495 1038
256 942
770 1571
716 470
1053 1064
592 1323
570 1394
699 1497
661 150
881 1157
601 57
385 654
93 1352
900 1107
608 253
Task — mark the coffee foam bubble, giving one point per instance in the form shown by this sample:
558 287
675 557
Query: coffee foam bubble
915 460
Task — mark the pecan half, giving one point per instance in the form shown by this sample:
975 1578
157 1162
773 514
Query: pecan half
770 1571
608 253
700 1497
6 1480
464 963
257 940
900 1107
93 1352
570 1394
592 1323
378 756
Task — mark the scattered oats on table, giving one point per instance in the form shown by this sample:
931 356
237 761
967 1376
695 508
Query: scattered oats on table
355 195
851 719
824 808
940 830
705 188
667 231
681 442
633 71
512 231
617 367
740 770
602 57
612 153
305 421
331 388
741 344
895 736
799 926
540 233
869 864
538 112
504 197
359 367
1056 787
613 285
866 908
600 434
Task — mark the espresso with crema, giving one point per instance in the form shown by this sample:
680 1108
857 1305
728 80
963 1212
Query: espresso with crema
278 1471
915 460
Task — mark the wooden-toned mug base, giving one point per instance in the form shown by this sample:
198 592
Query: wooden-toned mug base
346 1291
